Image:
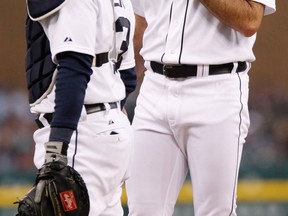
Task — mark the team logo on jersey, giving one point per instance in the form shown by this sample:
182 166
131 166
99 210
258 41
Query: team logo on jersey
119 4
68 39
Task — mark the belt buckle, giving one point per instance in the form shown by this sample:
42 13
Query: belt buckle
164 70
166 66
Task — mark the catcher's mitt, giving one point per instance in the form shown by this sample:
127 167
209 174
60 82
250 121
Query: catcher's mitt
59 190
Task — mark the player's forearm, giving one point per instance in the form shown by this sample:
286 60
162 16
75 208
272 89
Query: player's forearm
242 15
74 71
140 27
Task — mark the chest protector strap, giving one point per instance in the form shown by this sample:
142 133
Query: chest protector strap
40 9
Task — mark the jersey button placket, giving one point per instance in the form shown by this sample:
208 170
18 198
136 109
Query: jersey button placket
173 101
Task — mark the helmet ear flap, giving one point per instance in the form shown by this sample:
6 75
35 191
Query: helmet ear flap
40 9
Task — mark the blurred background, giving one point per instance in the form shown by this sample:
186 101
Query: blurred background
263 184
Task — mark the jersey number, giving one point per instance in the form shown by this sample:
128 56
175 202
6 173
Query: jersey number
122 23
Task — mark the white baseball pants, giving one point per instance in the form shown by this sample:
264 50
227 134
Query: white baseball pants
197 124
101 159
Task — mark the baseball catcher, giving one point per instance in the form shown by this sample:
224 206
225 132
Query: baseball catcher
59 189
77 86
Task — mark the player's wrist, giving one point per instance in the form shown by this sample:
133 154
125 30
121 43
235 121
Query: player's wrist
60 134
56 151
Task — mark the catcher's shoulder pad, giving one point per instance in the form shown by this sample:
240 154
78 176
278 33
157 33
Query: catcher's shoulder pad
39 68
40 9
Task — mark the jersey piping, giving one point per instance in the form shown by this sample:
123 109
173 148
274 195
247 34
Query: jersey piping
183 30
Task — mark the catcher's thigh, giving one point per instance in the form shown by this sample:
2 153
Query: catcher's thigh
100 152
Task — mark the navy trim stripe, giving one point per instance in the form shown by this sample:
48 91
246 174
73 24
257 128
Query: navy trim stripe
171 7
183 30
239 136
76 147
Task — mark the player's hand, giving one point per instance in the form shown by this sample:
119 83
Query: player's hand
54 156
58 190
56 151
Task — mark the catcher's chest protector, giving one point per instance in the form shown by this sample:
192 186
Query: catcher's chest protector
39 65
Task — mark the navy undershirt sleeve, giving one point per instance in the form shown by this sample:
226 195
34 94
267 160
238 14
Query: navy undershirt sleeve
73 75
129 79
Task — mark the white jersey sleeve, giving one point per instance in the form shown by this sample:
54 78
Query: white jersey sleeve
138 7
270 6
80 26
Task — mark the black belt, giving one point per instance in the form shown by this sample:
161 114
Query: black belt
183 71
90 108
101 59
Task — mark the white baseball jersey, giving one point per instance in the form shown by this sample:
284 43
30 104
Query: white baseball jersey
193 46
91 31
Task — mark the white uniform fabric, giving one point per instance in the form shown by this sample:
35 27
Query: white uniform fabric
100 148
197 123
91 34
102 159
171 46
179 126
